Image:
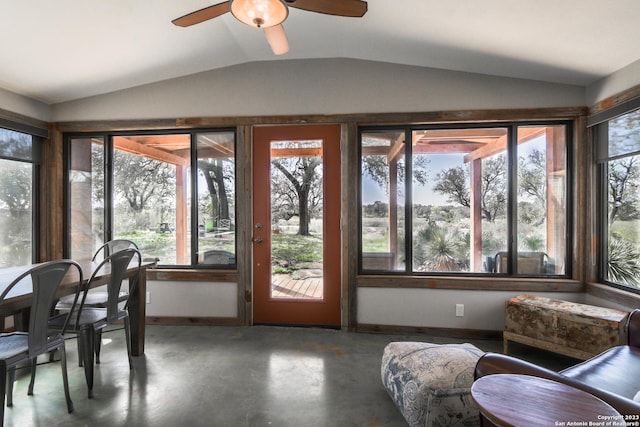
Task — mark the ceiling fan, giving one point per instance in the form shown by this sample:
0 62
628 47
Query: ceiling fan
269 15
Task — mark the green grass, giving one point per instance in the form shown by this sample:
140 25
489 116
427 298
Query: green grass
629 230
291 252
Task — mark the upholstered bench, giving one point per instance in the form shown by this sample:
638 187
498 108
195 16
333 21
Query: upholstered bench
431 383
577 330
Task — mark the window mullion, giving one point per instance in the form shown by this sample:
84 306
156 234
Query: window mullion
408 204
194 200
512 198
108 189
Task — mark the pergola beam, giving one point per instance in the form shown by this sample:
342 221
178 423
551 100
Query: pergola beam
130 146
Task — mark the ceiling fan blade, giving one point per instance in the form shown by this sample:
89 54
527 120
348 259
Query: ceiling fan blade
349 8
202 15
277 39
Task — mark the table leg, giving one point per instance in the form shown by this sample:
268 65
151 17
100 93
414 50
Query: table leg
137 313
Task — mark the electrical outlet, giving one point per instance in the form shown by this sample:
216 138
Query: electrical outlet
459 310
148 297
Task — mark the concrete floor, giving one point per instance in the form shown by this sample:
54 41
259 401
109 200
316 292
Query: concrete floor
230 376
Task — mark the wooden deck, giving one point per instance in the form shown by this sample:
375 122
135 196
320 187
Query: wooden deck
283 286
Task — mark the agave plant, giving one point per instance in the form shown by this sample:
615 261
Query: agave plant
622 264
443 250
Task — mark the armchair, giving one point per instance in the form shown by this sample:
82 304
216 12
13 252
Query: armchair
613 375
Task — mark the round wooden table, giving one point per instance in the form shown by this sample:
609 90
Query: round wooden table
523 400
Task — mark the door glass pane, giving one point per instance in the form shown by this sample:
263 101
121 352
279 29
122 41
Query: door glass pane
216 197
542 228
151 202
297 219
86 196
16 213
383 200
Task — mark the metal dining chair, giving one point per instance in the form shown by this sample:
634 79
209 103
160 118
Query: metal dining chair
99 298
18 348
89 322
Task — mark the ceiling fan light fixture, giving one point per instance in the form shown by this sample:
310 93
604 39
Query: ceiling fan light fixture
260 13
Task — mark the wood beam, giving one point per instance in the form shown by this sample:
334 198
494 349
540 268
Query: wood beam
488 150
129 146
181 215
476 215
454 146
296 152
466 134
397 149
466 116
525 134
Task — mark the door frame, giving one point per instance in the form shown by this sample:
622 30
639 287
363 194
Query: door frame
332 159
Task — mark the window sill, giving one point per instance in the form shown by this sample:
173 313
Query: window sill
192 275
614 295
492 283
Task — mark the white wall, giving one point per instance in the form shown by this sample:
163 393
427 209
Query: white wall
323 86
436 308
25 106
613 84
192 299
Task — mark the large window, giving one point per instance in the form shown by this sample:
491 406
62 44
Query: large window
145 188
476 199
19 160
619 163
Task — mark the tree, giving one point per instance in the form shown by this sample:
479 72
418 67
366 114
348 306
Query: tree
143 182
15 188
494 187
623 183
213 171
15 177
377 209
15 212
532 171
455 182
297 189
15 144
377 168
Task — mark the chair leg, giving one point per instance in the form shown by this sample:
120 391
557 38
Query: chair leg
127 334
11 377
97 342
65 377
34 364
86 338
3 391
80 355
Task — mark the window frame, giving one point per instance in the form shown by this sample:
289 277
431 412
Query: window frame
512 196
37 139
108 138
599 125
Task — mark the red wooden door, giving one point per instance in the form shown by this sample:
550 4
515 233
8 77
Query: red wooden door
295 281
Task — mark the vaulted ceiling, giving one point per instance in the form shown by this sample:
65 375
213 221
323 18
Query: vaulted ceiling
55 51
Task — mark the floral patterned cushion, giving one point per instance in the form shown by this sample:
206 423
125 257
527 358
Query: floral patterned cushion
431 383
